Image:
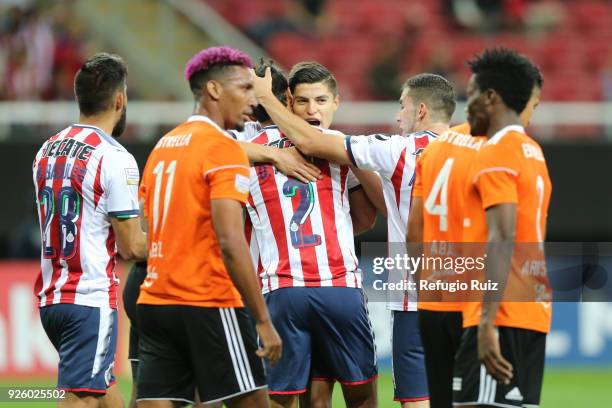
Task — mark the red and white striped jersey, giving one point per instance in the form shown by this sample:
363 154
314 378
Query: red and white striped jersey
304 231
82 177
394 159
251 129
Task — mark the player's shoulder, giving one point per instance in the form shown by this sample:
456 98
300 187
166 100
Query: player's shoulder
462 128
509 135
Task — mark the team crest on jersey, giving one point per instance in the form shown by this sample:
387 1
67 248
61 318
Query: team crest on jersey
131 176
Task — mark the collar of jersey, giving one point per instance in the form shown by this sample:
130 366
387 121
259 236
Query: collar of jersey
202 118
502 132
103 134
426 132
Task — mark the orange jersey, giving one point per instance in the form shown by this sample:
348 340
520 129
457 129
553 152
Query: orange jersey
462 128
191 165
510 169
441 172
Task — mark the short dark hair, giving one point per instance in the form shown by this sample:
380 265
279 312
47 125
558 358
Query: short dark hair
539 79
508 73
210 63
279 87
434 91
311 72
97 81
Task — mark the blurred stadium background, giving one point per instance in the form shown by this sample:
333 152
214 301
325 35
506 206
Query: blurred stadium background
371 46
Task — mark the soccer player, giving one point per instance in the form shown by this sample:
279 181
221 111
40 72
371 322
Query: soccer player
86 191
427 104
440 177
439 181
500 361
195 332
288 161
308 269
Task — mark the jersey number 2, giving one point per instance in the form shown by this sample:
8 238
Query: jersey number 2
299 239
440 188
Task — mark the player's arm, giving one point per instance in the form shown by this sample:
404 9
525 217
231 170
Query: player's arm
372 185
363 212
306 138
131 240
289 161
416 223
414 232
501 223
120 182
229 229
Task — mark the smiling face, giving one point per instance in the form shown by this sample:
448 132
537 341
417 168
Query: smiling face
238 97
315 103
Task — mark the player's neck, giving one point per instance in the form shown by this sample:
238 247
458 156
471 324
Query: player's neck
211 113
105 121
504 119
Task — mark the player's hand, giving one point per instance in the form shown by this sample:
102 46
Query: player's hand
490 355
291 163
271 344
262 86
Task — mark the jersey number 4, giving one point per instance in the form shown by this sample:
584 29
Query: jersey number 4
68 208
440 189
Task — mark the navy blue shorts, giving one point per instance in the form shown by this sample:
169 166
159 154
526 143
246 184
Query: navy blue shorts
327 335
409 374
86 340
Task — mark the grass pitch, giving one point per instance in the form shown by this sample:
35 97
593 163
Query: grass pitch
563 388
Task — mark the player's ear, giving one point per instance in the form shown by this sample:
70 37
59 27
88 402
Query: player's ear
214 89
336 102
288 99
422 111
491 97
120 100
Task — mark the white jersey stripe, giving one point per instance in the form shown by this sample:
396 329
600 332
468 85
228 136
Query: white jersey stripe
316 220
104 335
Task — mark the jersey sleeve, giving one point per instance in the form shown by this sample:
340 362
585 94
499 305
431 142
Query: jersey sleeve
227 171
373 152
417 187
121 178
496 174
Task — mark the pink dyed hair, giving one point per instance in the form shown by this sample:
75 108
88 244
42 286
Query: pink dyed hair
216 55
